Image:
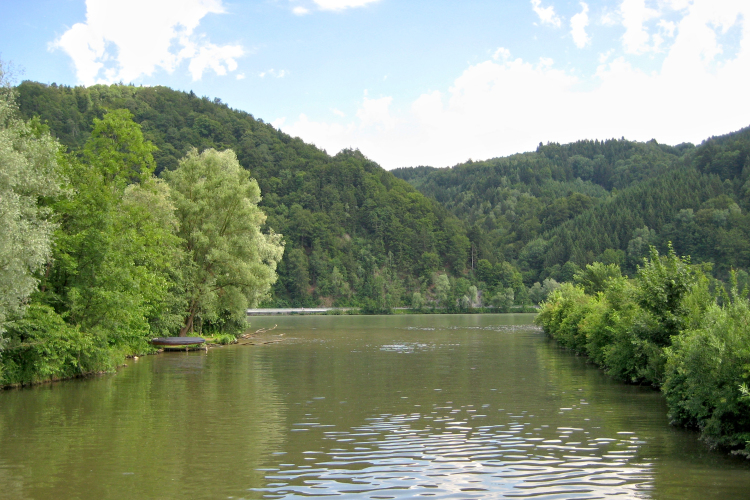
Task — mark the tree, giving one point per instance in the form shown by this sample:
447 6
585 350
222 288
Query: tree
231 264
664 284
594 277
116 254
442 289
28 176
503 299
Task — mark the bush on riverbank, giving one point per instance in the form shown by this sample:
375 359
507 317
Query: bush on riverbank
41 347
666 329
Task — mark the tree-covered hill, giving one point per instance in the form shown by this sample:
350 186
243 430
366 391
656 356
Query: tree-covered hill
564 206
357 234
354 233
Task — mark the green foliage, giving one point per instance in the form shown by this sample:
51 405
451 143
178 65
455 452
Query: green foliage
503 300
417 301
341 211
664 328
562 314
664 283
230 263
116 256
594 277
442 290
42 346
224 338
706 368
29 179
539 292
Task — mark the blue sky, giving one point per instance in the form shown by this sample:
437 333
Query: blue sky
413 82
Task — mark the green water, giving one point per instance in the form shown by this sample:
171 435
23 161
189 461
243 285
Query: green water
475 406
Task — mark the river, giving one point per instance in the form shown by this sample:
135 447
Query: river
371 407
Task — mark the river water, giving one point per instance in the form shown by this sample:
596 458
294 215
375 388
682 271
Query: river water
370 407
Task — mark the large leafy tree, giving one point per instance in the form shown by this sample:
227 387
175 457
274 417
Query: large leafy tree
28 177
231 264
116 252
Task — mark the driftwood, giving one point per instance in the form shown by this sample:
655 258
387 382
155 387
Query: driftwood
249 338
259 330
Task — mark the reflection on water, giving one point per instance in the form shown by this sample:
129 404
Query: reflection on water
359 407
445 453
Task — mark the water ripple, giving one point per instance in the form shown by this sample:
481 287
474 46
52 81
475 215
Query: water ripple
413 455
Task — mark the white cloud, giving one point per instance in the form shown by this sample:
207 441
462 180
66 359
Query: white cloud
338 112
634 15
501 54
609 18
667 27
342 4
125 42
274 73
376 113
546 14
220 59
300 11
503 106
578 25
240 76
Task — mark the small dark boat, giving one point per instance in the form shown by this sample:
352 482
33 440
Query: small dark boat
177 341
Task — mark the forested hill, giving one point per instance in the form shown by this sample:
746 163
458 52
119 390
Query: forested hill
563 206
354 233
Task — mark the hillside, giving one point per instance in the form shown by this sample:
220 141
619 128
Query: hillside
564 206
354 233
359 235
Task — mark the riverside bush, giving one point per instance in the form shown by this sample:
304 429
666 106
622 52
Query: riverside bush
665 328
562 314
705 372
41 346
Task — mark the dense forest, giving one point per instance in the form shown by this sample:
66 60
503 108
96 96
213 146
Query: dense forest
354 234
561 207
512 228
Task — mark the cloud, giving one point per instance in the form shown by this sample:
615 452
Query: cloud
501 54
634 15
578 25
300 11
376 113
546 14
342 4
272 72
504 105
125 42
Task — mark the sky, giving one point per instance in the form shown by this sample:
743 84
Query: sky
413 82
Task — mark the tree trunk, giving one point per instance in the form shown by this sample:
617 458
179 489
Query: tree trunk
188 321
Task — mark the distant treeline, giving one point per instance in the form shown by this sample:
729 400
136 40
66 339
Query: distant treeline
565 206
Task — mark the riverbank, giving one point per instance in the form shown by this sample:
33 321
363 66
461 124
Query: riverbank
665 328
396 310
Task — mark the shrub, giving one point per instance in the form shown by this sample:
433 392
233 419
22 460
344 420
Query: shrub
41 346
562 315
705 372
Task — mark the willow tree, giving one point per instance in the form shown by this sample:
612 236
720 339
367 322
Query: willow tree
28 176
231 264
